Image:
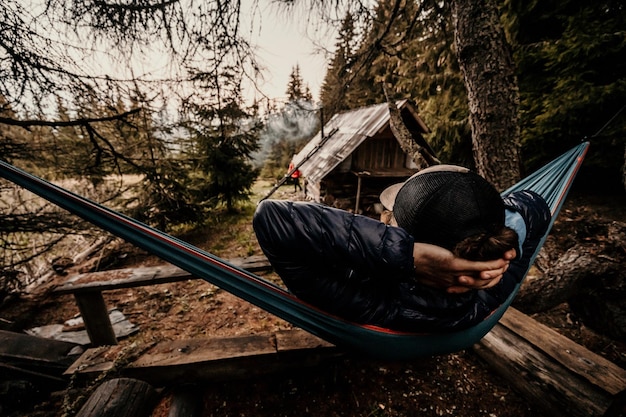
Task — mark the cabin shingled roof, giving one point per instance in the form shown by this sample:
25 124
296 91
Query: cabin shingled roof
352 128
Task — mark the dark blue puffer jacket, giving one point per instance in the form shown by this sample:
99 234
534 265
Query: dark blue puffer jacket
362 270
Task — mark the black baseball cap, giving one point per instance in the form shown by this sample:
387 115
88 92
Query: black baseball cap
444 205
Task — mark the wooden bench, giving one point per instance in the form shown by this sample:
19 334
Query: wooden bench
550 370
563 377
184 366
87 289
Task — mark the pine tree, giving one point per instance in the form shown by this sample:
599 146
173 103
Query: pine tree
224 136
296 89
337 81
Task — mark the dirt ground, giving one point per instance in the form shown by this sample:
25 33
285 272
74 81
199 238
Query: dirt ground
458 384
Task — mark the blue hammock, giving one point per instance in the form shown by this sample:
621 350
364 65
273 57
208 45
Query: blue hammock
553 182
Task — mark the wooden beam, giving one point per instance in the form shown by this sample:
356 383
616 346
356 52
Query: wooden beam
551 370
136 277
95 316
215 359
44 353
358 194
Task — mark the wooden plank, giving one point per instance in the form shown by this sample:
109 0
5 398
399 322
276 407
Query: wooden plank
295 340
215 359
182 352
36 359
541 381
230 358
93 361
10 372
136 277
573 356
18 347
121 278
550 370
257 263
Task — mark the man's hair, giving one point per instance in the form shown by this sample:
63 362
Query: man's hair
486 247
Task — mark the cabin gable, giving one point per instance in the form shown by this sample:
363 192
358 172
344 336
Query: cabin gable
359 157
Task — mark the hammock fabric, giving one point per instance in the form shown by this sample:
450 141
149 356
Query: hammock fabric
553 182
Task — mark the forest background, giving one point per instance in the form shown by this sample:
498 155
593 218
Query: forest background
180 151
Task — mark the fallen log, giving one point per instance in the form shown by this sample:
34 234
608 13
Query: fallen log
186 402
552 371
121 397
584 260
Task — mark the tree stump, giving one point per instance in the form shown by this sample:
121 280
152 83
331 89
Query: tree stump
121 397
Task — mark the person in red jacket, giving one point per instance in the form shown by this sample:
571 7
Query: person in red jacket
295 177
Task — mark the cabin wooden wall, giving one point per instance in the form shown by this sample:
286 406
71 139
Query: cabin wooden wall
339 190
380 161
379 153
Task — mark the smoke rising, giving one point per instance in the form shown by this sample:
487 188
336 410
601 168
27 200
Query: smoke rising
298 121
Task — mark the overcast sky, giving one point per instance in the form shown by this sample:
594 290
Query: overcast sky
282 40
282 48
286 40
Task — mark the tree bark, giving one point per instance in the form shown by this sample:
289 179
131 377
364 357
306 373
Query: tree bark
586 259
422 158
487 64
122 397
561 281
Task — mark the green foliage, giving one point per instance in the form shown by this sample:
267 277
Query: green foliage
224 135
409 46
572 75
571 58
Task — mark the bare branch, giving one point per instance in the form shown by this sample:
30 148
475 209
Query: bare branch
60 123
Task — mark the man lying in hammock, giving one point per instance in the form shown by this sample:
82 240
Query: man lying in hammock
369 272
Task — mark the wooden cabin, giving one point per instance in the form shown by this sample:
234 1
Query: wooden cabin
356 156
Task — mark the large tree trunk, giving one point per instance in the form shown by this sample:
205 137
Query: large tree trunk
486 61
419 154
